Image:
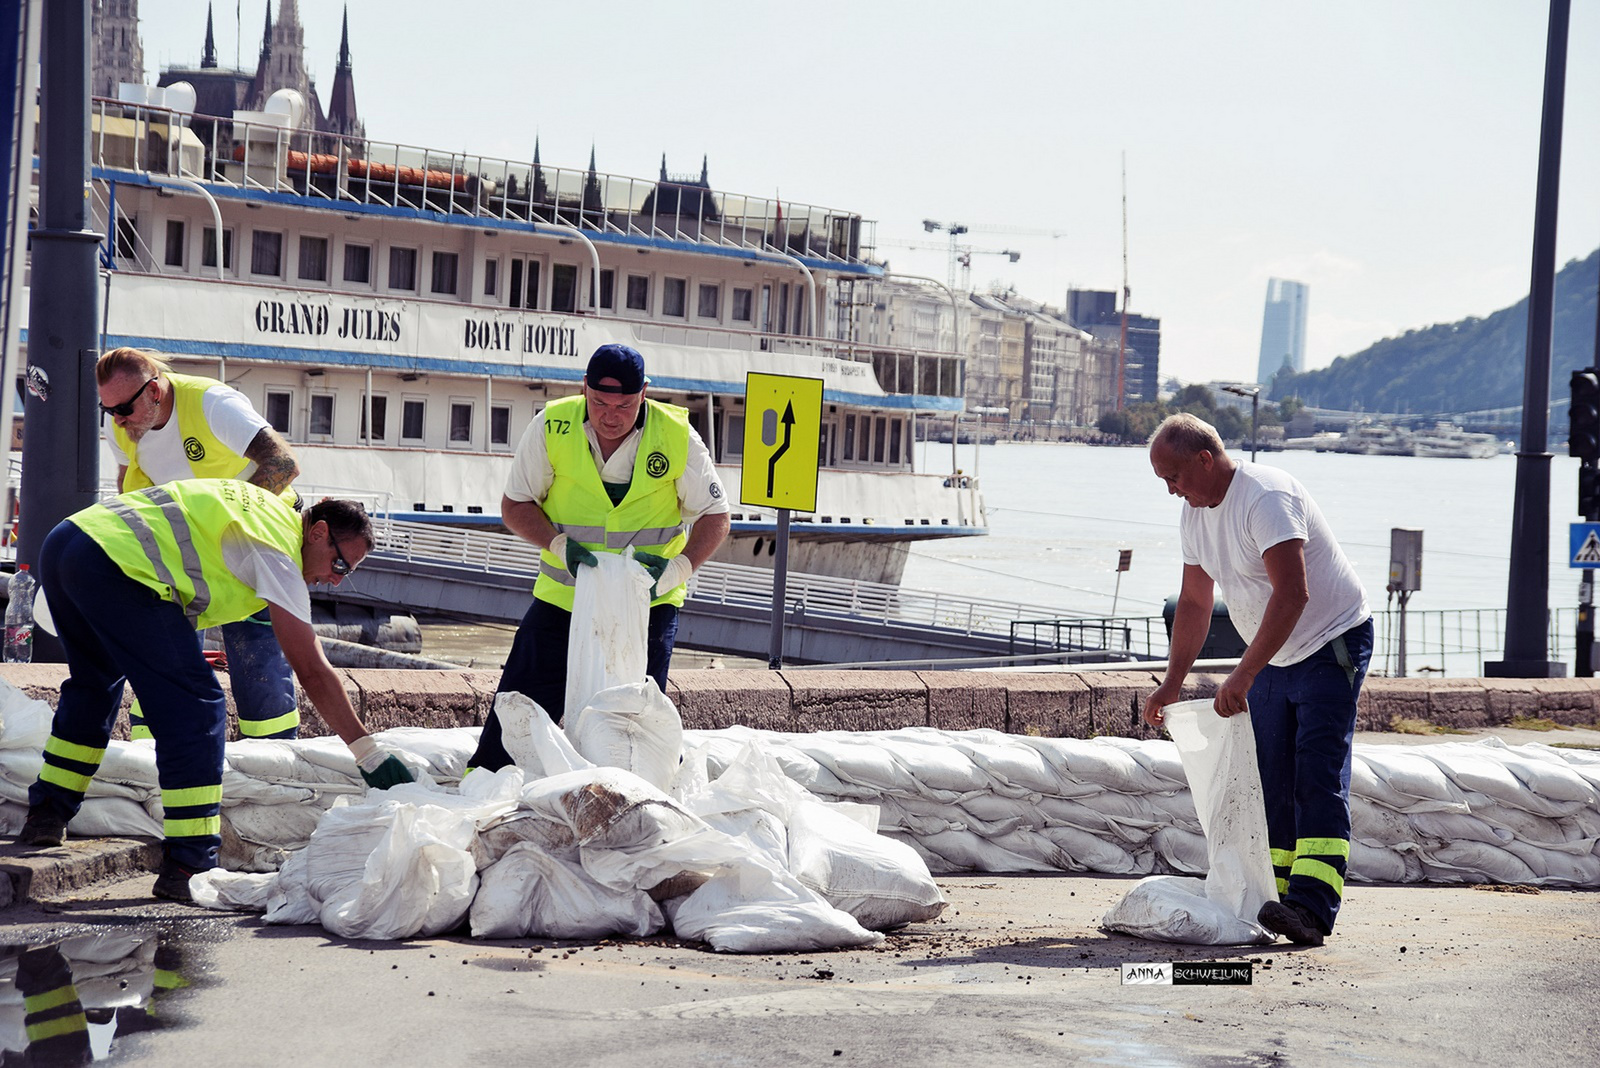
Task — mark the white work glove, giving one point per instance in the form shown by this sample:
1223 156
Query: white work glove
677 572
558 547
379 768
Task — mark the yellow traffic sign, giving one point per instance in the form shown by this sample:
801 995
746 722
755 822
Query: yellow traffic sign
782 429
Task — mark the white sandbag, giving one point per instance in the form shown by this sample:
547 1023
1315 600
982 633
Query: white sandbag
529 892
1174 908
761 910
1180 850
1481 767
1474 862
632 726
879 881
1376 863
607 644
1219 759
24 721
230 891
391 868
114 817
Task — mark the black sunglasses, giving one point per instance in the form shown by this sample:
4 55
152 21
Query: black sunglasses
125 409
340 565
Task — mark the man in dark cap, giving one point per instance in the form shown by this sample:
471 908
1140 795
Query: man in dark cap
604 471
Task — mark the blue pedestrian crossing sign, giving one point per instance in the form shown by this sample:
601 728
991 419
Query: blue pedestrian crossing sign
1585 541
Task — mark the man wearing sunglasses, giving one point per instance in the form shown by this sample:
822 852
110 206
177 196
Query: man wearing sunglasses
128 582
160 427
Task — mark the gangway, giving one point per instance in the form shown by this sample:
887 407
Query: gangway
486 577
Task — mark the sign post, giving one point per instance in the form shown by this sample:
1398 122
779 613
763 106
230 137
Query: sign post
1584 539
782 436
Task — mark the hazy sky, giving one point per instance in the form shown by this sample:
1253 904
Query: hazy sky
1383 153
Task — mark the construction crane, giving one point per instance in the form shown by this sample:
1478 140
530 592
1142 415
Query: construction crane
961 255
955 230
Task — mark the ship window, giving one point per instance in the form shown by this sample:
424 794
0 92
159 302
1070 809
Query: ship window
743 299
500 424
783 307
524 295
894 441
849 437
710 298
444 272
733 440
879 427
608 290
208 249
638 292
321 415
277 412
314 259
563 287
491 277
380 416
175 242
674 296
411 414
403 268
266 253
127 236
358 264
461 422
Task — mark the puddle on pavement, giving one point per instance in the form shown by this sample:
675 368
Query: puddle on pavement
72 1000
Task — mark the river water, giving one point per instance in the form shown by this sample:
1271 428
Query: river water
1059 515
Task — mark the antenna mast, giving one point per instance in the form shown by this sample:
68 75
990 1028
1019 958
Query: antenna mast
1122 343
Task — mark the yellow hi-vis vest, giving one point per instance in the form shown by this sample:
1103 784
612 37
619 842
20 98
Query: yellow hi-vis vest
169 538
208 457
648 517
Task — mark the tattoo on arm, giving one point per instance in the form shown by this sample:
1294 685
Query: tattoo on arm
275 463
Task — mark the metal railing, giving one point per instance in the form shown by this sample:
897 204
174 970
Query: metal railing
264 157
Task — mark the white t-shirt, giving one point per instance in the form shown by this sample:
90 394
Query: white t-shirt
700 491
1265 506
269 571
229 415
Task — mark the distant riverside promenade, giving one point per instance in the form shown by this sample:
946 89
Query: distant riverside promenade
1064 704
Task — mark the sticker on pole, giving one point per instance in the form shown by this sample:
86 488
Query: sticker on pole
782 429
1585 541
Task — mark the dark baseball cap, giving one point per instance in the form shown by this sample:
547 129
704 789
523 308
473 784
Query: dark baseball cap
618 362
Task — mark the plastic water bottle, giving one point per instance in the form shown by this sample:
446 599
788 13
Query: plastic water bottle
19 618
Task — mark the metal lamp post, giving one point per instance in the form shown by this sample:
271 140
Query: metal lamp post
1254 393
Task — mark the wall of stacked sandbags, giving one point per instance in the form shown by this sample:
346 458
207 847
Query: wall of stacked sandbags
1047 704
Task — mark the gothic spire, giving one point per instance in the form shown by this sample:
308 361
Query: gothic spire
344 41
208 59
266 36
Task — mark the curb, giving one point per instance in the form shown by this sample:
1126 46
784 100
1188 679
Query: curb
36 876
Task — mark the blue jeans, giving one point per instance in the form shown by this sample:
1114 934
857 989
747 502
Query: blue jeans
537 667
261 680
1304 719
115 630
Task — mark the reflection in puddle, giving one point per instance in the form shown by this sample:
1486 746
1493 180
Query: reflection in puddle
65 1002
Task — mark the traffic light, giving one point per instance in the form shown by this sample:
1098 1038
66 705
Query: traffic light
1583 436
1589 491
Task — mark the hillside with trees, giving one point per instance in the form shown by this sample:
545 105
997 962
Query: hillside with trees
1458 367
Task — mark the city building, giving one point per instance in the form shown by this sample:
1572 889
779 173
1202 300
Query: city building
1283 329
1095 311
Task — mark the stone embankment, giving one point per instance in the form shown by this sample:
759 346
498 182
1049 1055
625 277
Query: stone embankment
1054 704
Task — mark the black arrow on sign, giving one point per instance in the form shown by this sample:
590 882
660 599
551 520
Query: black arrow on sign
788 430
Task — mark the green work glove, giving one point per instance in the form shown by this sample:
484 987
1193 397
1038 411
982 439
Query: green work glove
652 563
572 553
389 773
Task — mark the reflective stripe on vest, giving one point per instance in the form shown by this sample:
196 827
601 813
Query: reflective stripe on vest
208 457
648 518
169 538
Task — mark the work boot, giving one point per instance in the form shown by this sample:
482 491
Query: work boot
173 882
42 829
1292 921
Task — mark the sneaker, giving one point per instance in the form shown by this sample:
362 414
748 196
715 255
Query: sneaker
173 882
42 829
1292 921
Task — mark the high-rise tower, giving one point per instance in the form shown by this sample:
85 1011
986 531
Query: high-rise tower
1283 329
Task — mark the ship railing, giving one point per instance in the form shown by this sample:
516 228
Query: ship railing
238 153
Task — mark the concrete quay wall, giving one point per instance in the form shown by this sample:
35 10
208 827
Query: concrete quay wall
1050 704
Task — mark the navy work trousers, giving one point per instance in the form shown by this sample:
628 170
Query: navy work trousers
116 630
261 680
1304 719
537 667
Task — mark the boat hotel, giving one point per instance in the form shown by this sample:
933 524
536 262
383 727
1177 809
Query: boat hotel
400 314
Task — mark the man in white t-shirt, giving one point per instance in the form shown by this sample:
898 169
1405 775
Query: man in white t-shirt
162 427
1255 532
604 471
